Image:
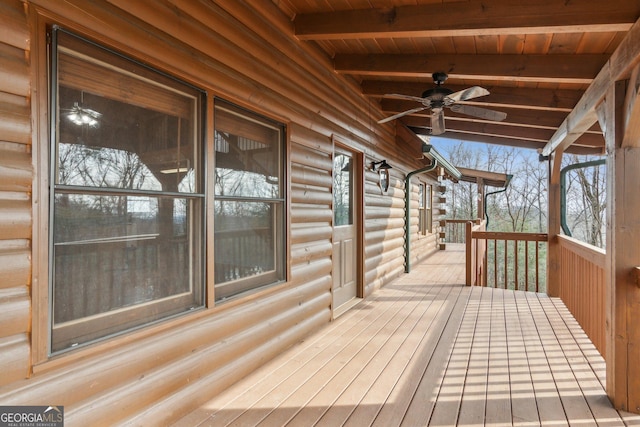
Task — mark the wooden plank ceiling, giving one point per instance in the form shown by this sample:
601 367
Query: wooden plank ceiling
536 57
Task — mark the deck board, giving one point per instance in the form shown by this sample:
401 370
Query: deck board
427 350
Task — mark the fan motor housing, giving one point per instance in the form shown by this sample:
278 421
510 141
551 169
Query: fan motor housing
437 93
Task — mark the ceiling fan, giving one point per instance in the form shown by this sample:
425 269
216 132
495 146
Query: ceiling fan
439 98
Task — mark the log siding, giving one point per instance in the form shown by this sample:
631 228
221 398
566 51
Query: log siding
15 193
246 54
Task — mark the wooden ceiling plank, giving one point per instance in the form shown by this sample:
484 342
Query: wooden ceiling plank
565 43
498 17
512 44
488 44
537 43
583 116
539 99
577 69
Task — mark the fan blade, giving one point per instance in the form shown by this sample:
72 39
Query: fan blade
405 97
437 122
469 93
397 116
482 113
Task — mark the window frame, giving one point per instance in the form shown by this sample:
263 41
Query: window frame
351 202
421 209
429 208
425 202
115 323
236 289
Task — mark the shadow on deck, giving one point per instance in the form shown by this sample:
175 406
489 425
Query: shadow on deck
427 350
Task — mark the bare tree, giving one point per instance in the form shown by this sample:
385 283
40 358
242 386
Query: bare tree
586 201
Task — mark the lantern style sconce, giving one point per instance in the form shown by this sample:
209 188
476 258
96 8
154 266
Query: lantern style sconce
383 170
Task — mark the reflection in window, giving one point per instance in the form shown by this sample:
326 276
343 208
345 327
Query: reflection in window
249 201
127 200
342 190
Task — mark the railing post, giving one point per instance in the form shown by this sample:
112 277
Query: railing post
553 248
623 252
468 240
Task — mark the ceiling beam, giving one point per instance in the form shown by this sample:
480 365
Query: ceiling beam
632 111
471 175
583 116
472 18
494 129
500 140
558 68
499 96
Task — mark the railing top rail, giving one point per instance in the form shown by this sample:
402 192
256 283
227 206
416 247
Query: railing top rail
589 252
572 241
459 221
500 235
479 227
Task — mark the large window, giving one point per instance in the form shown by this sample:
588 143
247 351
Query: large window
249 201
424 209
127 197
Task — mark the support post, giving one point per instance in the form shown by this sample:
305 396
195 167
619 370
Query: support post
481 190
553 251
468 241
623 250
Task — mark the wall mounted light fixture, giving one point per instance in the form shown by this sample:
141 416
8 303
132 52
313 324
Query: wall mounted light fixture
383 170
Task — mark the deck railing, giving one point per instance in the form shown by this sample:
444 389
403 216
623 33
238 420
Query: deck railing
583 287
518 261
475 255
507 260
454 230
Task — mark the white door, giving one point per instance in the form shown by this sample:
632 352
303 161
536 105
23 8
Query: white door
345 230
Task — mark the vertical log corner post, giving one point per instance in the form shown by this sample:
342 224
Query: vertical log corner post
619 119
553 252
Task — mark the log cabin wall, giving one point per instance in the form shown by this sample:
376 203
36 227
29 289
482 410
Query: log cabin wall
247 55
424 245
15 192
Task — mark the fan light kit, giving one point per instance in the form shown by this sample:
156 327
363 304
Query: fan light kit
439 98
83 116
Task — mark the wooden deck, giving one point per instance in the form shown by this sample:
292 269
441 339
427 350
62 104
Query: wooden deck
426 350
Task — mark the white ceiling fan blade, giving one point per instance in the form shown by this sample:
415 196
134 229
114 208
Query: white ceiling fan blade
404 113
405 97
469 93
437 121
481 113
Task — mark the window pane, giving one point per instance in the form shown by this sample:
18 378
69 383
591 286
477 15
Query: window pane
249 206
248 156
127 224
106 142
429 211
114 252
342 190
246 243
